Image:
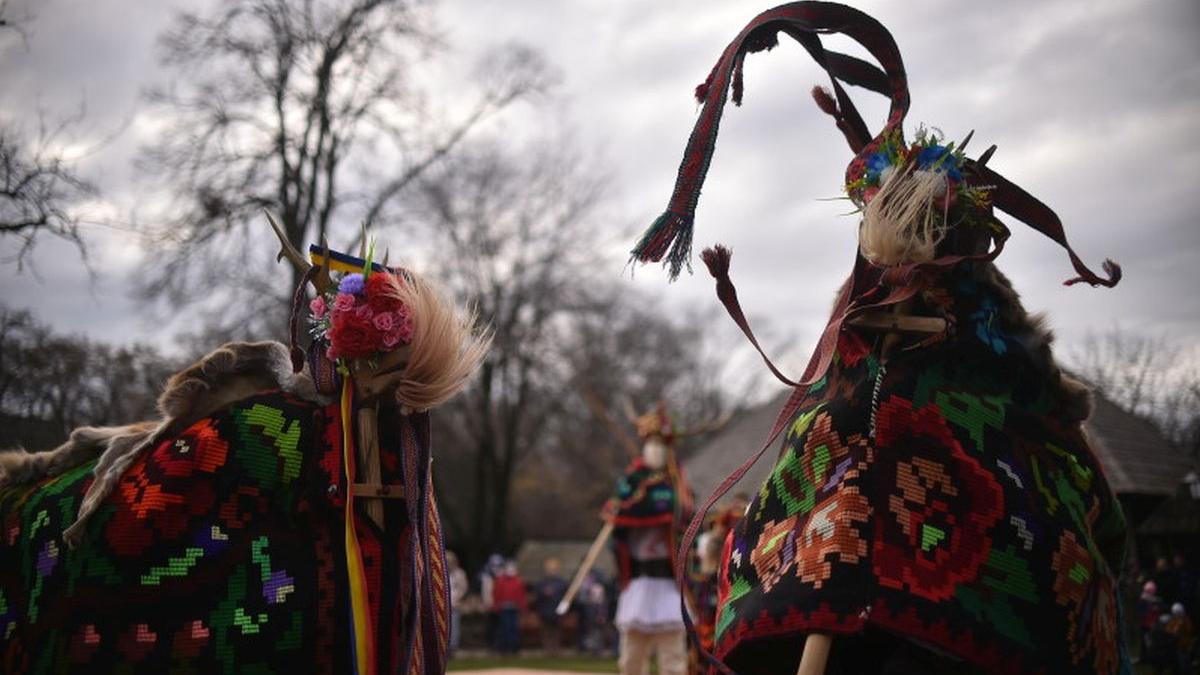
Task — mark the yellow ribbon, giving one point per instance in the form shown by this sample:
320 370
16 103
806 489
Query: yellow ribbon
363 635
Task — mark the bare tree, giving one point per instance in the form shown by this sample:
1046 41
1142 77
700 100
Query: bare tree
38 184
517 232
294 107
1148 376
60 382
513 237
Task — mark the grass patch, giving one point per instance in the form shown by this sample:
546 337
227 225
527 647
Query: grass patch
575 664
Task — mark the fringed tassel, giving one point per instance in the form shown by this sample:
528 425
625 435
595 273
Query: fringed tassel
825 102
1111 270
716 259
900 224
670 237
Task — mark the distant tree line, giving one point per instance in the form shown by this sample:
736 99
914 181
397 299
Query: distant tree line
1150 376
51 383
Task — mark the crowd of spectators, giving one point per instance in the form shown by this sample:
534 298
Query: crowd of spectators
519 614
1164 610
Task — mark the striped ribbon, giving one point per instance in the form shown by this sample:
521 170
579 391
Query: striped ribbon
362 638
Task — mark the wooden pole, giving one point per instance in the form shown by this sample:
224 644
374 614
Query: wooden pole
816 654
371 383
588 561
367 448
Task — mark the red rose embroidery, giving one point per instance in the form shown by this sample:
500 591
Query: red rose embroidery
934 532
160 495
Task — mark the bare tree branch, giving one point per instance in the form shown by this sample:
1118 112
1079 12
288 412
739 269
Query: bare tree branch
38 187
279 105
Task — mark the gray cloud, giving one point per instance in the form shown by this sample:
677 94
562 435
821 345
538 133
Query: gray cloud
1095 108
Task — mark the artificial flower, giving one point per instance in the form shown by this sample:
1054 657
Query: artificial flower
352 284
344 302
318 308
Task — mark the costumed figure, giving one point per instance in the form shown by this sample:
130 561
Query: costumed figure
935 506
703 578
647 511
279 517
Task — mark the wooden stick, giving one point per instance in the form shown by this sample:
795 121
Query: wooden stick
369 470
904 323
378 491
816 654
588 561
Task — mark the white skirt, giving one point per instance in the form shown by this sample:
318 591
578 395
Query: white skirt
649 605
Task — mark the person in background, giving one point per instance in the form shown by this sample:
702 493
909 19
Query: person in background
547 593
1179 627
458 591
508 599
1149 607
487 580
593 614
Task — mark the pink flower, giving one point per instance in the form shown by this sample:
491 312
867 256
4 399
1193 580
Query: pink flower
404 328
384 321
317 307
331 354
364 312
391 339
344 302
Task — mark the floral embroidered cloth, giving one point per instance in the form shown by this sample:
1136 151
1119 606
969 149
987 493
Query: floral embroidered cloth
222 550
646 498
945 497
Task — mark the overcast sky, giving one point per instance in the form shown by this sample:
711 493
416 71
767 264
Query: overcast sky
1095 107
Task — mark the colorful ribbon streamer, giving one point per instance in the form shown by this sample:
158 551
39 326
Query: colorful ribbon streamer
362 637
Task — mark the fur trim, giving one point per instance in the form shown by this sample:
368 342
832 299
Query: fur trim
1075 399
17 466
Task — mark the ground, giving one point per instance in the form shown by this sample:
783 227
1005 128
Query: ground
534 665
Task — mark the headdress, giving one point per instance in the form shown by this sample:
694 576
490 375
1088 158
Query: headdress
656 423
669 237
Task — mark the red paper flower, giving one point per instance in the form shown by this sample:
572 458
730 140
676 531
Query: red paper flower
354 337
374 321
381 293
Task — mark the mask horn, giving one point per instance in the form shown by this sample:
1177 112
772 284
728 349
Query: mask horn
320 280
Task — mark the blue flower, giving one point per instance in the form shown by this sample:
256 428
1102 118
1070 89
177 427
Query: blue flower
352 284
939 158
876 163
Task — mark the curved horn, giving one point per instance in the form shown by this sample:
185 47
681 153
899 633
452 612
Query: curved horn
286 250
